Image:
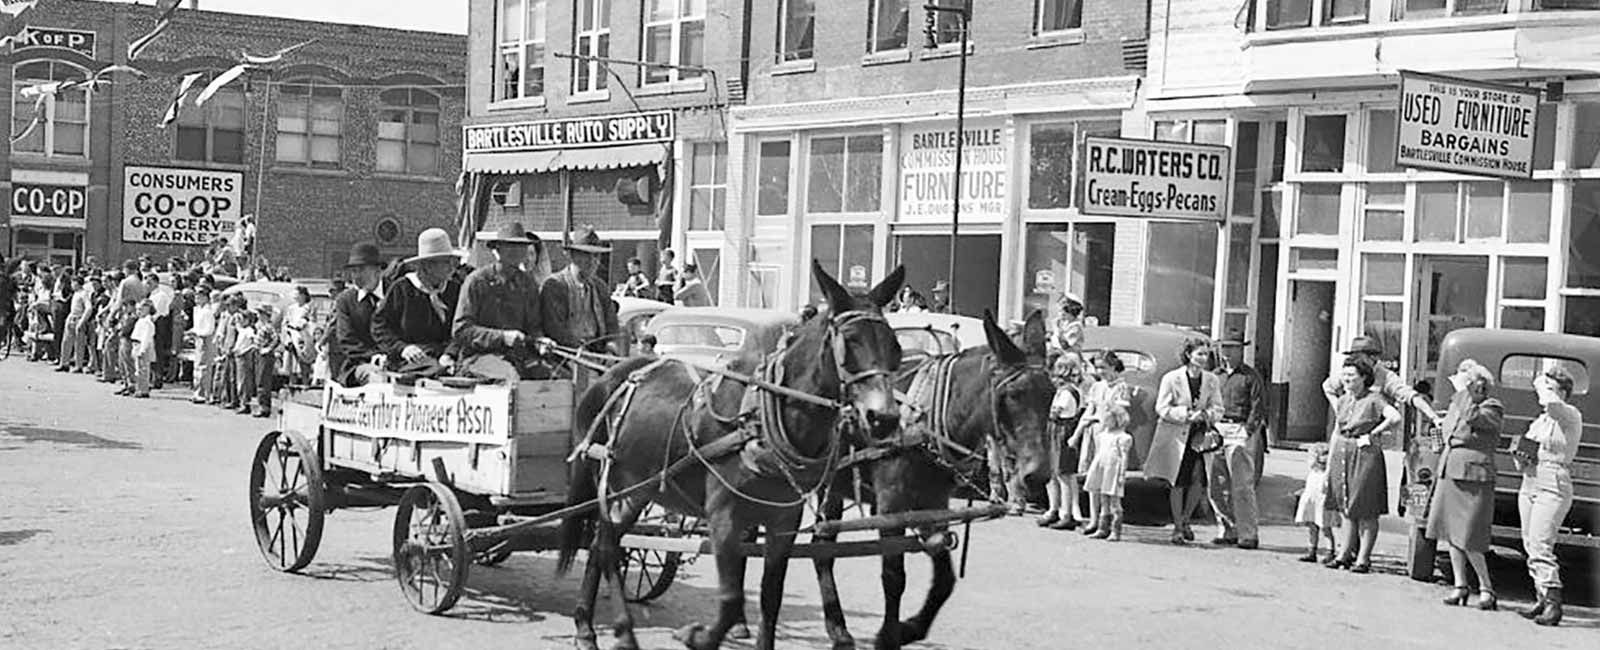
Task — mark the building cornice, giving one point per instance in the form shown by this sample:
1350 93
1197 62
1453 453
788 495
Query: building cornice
1096 94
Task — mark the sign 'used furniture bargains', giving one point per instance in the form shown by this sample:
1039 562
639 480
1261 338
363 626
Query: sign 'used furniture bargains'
1469 127
1157 180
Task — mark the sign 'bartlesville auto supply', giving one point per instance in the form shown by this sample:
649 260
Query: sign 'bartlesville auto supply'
567 133
1469 127
171 205
1164 180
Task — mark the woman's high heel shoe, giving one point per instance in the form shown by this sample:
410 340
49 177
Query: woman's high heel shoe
1339 563
1487 602
1458 596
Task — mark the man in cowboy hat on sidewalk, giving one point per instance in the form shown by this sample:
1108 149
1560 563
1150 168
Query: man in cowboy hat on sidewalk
352 318
577 307
413 323
497 318
1234 469
1385 381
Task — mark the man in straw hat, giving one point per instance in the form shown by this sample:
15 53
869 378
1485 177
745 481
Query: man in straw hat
577 306
497 318
1234 468
413 322
350 357
1385 381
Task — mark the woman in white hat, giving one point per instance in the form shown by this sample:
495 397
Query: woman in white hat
413 323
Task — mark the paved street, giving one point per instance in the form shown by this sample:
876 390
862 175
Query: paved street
124 526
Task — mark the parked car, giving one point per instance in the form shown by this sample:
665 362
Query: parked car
634 314
925 334
1515 357
1147 352
714 336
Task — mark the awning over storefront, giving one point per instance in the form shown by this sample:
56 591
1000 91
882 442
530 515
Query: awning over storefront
536 162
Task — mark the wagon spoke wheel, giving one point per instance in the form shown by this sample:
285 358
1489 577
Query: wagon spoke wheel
287 500
431 557
648 573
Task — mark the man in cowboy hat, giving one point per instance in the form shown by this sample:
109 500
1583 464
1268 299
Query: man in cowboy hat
413 322
353 345
497 317
577 306
940 302
1384 380
1234 468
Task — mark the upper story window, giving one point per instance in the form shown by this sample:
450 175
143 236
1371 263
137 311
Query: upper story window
887 22
519 68
947 24
674 34
408 132
310 124
1289 14
1057 16
212 133
592 33
797 23
63 129
845 174
1441 8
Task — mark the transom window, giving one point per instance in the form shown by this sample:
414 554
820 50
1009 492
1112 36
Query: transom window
797 22
310 123
408 132
211 133
519 70
887 22
63 129
674 34
593 35
845 174
1051 16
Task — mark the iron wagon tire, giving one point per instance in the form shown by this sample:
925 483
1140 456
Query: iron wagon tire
1421 555
421 547
647 574
290 494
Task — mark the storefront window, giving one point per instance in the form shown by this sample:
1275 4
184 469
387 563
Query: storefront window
1485 201
1180 281
1383 275
1436 212
1586 136
1583 316
1383 302
927 261
1384 218
1583 250
1238 294
1522 318
765 276
844 251
1380 142
1528 220
1050 148
542 202
845 174
1313 259
1524 278
594 200
1069 257
1384 321
1245 162
1319 209
1322 147
772 178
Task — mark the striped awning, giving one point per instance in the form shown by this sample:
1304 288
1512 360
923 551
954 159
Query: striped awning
535 162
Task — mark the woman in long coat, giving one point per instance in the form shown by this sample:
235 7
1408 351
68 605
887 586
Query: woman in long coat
1358 484
1189 403
1462 510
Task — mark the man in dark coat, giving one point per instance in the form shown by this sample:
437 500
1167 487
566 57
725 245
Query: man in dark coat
413 323
576 304
497 320
352 317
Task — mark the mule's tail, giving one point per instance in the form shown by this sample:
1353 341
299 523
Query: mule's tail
584 482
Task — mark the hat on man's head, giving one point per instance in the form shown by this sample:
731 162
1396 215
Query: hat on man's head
587 241
1072 296
1365 344
1234 337
510 232
364 254
433 243
942 285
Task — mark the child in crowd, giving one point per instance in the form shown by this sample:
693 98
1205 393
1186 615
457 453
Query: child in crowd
1320 521
267 343
1064 411
244 360
144 348
1108 471
223 387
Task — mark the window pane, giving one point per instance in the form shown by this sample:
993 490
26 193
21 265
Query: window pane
773 179
1086 130
391 156
1319 209
1383 275
291 148
1522 318
1058 15
1586 136
1383 225
227 146
1288 13
1529 218
1384 321
70 139
1246 138
1583 316
511 21
719 171
661 9
700 206
1436 212
1050 166
1524 278
1178 131
1469 7
535 26
1181 278
1239 248
1388 195
1322 148
191 144
1583 266
1210 132
324 149
857 252
825 191
658 49
1313 259
423 159
865 174
799 22
703 160
510 74
1423 8
692 48
1344 11
1544 140
1484 203
533 74
1380 139
825 250
889 25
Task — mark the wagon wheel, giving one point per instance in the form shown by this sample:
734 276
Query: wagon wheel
648 573
287 500
431 557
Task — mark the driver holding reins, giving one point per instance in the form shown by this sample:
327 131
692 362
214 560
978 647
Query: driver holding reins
576 304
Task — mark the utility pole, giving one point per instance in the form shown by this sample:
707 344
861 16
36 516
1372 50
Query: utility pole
964 12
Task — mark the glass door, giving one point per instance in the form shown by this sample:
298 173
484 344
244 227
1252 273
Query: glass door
1451 294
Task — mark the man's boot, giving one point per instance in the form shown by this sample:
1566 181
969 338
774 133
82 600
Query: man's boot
1537 609
1551 616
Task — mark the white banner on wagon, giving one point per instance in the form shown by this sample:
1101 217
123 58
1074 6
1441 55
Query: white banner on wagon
1470 127
387 411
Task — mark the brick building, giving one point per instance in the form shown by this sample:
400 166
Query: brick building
558 143
844 152
353 137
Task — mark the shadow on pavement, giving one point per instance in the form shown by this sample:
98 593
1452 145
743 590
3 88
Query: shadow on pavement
13 537
64 436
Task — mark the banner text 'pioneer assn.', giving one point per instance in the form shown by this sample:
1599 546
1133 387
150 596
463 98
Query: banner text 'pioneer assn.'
1146 178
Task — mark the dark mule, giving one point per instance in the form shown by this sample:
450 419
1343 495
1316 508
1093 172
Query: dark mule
996 395
848 355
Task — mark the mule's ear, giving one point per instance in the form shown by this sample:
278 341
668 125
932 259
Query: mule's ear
839 300
1033 336
885 292
1004 350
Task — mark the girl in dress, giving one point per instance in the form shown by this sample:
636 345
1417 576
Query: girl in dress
1109 469
1319 520
1108 389
1064 411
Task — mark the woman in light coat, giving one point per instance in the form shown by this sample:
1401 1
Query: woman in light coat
1188 403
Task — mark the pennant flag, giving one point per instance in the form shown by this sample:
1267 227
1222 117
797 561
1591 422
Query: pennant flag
104 75
38 118
16 7
189 80
45 89
217 84
275 56
167 7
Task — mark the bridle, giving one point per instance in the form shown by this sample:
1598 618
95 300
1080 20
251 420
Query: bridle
835 335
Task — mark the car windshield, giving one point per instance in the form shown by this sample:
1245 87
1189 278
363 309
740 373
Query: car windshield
1518 372
925 340
704 336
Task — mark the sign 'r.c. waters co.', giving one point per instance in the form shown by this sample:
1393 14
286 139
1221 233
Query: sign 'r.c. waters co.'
571 133
1156 180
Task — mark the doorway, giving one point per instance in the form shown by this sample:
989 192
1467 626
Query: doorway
1309 357
1451 294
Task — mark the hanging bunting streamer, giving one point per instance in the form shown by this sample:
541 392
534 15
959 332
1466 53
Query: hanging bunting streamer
216 84
16 7
275 57
104 75
189 80
168 8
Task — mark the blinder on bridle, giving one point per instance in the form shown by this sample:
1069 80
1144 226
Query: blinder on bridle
836 326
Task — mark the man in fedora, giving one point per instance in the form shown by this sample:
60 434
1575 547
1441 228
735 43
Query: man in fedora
940 301
352 318
1234 468
1384 380
413 322
497 319
577 307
